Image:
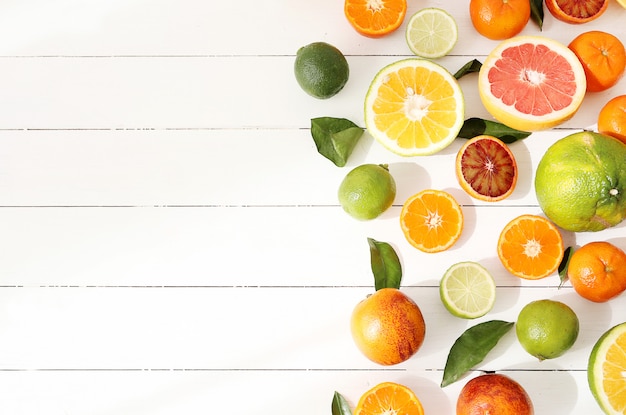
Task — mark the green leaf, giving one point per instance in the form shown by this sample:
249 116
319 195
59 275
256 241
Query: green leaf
472 347
470 67
567 255
473 127
385 265
536 12
335 138
340 406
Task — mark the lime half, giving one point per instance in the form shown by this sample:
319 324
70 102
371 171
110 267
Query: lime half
606 371
431 33
467 290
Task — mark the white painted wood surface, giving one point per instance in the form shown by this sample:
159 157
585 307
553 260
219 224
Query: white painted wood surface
171 240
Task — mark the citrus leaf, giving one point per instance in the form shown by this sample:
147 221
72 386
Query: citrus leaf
335 138
567 255
536 12
473 127
340 406
472 347
385 265
472 66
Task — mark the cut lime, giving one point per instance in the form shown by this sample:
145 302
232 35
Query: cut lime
431 33
467 290
606 371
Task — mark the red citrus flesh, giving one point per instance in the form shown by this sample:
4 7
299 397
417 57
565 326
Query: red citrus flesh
577 11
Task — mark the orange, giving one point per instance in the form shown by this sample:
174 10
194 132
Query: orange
576 11
603 58
612 118
530 247
493 393
486 169
606 368
375 18
387 327
597 271
389 398
499 19
532 83
431 220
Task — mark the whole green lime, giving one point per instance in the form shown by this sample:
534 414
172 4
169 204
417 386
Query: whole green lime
321 69
580 182
367 191
546 328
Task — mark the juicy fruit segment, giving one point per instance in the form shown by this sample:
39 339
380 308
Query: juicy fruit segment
547 329
431 33
499 19
414 107
493 394
367 191
580 182
576 11
612 118
387 327
486 168
431 220
530 247
321 70
603 58
531 83
606 370
375 18
597 271
389 398
467 290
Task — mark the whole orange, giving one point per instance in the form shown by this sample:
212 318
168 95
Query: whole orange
388 327
612 118
493 394
603 58
499 19
597 271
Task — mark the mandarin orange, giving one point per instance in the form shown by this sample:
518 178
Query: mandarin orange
612 118
389 398
499 19
603 58
375 18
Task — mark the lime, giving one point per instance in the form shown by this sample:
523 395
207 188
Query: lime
546 328
367 191
431 33
606 371
467 290
321 69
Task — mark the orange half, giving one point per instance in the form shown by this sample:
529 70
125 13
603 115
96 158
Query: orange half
389 398
375 18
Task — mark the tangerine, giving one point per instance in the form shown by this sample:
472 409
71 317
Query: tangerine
389 398
612 118
576 11
375 18
499 19
603 58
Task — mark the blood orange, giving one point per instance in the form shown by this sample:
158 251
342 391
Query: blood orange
532 83
577 11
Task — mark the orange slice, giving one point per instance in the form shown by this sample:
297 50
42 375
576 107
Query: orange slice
431 220
389 398
530 247
577 11
532 83
375 18
486 169
414 107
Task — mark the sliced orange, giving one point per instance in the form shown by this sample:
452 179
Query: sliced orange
375 18
576 11
414 107
530 247
389 398
431 220
532 83
486 168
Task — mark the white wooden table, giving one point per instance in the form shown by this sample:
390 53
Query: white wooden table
171 241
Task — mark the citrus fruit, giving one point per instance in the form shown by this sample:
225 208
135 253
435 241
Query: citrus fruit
612 118
486 168
387 327
389 398
431 220
321 69
606 368
530 247
414 107
499 19
547 329
531 83
622 3
580 182
375 18
597 271
367 191
431 33
603 58
493 393
467 290
576 11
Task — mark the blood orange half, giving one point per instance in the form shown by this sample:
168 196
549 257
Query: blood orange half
532 83
576 11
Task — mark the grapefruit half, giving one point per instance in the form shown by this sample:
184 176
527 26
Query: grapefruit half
532 83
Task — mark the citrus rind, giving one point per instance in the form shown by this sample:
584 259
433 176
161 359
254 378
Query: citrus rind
431 33
595 367
467 290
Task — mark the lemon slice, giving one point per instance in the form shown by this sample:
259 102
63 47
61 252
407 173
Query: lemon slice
467 290
431 33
